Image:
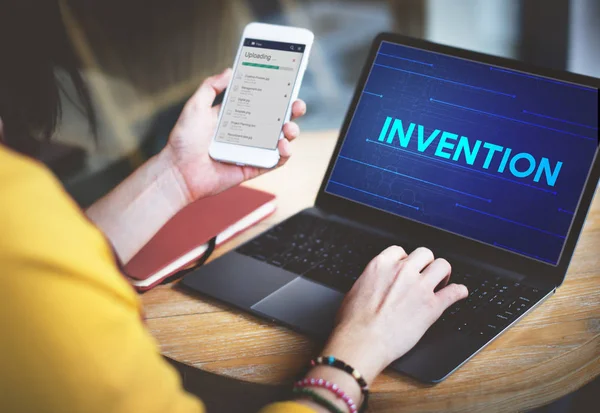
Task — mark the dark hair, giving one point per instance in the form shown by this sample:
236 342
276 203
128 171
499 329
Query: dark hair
33 45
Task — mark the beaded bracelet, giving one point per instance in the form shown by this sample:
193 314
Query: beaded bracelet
317 398
332 387
339 364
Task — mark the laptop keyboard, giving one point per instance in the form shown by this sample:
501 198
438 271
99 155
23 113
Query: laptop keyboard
493 303
335 255
324 251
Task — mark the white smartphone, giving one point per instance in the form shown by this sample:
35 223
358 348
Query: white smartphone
267 73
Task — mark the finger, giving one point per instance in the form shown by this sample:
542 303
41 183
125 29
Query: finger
298 109
394 253
451 294
380 273
436 273
291 131
285 150
386 265
211 87
442 283
420 258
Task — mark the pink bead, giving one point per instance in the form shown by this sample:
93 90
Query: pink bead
312 363
334 388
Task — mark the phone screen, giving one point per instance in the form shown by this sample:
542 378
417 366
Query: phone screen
260 93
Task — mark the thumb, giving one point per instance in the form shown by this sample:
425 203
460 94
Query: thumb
211 87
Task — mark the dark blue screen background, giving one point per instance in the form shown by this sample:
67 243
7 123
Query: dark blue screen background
541 116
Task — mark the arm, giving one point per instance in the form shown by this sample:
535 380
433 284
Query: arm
181 173
137 208
72 331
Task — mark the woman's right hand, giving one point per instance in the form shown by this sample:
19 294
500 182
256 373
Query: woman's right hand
390 307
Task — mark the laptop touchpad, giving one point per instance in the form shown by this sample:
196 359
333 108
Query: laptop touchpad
305 305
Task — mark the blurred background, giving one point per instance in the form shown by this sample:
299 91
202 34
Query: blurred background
144 58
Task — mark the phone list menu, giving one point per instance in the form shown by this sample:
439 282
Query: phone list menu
259 97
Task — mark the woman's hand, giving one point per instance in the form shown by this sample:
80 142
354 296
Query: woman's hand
188 144
181 173
390 307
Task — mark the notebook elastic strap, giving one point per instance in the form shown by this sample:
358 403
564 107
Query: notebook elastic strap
211 247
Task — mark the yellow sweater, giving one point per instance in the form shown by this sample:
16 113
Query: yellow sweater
71 332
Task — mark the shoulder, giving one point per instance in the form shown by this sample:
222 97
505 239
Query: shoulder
41 224
32 201
15 165
22 178
71 329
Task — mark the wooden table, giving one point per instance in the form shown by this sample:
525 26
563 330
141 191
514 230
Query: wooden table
552 352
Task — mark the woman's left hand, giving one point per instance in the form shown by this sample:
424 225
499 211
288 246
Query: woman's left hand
187 149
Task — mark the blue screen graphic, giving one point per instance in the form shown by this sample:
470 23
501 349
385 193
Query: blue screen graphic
496 155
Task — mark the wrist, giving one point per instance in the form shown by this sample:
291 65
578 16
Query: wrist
169 163
136 209
342 380
361 355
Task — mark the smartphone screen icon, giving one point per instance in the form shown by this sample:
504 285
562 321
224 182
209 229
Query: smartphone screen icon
261 91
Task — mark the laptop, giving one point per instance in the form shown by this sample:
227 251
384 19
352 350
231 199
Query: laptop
489 162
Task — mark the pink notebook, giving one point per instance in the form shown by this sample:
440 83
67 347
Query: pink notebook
184 239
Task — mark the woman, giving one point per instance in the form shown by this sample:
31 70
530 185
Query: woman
73 337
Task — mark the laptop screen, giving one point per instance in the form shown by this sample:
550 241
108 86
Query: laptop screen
492 154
